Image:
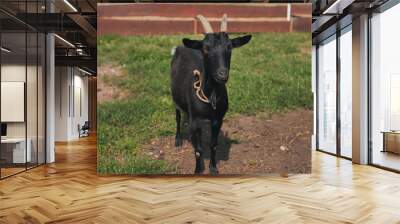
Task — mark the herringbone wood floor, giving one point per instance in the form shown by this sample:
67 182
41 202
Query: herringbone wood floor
70 191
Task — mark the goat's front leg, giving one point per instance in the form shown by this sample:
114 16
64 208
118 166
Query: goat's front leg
215 128
195 133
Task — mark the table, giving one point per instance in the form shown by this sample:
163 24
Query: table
13 150
391 141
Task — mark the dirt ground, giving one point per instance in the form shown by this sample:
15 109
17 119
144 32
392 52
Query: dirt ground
248 145
106 89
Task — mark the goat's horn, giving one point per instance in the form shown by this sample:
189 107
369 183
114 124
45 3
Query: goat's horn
206 25
224 23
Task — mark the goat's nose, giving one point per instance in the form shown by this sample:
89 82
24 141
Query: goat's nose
222 73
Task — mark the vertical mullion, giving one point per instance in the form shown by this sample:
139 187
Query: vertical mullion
338 73
317 97
45 95
45 88
26 86
37 90
369 89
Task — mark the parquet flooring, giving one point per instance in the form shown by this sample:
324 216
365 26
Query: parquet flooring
8 171
70 191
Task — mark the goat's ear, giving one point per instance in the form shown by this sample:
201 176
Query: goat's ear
194 44
240 41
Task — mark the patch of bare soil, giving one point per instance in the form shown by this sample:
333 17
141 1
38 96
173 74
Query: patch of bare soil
106 89
248 145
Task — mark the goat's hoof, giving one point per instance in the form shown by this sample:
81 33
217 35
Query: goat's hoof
199 168
178 142
213 170
199 171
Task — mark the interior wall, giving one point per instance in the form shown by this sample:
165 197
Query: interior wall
62 81
12 73
80 109
33 126
71 102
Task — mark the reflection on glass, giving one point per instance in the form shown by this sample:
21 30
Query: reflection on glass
22 90
31 100
346 93
14 153
327 96
385 92
394 102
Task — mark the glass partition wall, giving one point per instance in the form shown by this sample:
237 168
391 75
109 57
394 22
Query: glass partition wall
385 89
13 88
22 88
327 95
334 126
334 94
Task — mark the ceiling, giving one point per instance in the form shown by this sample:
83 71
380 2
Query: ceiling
74 22
338 14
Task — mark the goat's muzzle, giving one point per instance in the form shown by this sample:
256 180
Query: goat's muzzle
222 75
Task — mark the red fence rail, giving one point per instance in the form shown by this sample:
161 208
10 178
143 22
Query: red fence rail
174 18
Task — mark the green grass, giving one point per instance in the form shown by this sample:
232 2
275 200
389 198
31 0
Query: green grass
269 75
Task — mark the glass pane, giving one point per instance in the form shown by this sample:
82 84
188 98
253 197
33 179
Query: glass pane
31 97
327 96
22 89
346 93
385 93
13 86
41 99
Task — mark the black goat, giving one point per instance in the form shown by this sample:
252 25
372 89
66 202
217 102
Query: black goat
199 72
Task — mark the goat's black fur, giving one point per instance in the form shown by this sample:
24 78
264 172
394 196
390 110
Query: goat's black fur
211 57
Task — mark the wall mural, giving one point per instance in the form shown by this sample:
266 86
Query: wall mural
166 79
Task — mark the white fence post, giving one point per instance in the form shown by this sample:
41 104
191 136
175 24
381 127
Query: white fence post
289 12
